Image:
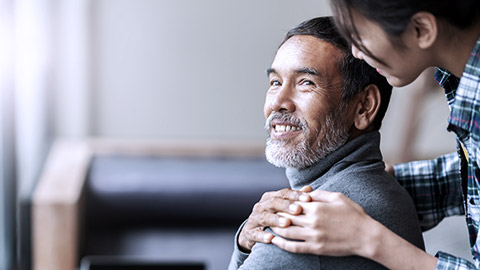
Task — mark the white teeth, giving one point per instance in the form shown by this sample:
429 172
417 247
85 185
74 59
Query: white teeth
285 128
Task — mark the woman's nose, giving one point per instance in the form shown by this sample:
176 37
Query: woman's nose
357 53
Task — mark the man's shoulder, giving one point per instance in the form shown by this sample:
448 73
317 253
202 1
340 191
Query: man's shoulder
367 177
370 188
382 197
375 190
269 256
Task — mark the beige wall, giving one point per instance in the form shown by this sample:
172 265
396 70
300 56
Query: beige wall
195 70
189 70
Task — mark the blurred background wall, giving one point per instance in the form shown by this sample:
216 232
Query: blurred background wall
158 70
190 70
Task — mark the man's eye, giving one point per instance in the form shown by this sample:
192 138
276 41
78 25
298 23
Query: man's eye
274 83
307 82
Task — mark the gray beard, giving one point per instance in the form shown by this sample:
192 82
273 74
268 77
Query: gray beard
301 155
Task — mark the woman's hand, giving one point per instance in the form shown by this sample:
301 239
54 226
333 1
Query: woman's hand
265 213
330 225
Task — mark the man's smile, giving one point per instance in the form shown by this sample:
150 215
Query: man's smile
287 128
281 131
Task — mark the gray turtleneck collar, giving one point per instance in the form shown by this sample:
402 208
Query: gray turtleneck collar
363 150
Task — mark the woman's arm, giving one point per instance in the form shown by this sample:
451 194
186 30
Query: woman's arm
336 226
435 187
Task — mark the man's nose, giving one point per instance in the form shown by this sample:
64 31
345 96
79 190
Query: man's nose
283 100
357 53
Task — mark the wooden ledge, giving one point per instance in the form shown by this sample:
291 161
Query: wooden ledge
56 204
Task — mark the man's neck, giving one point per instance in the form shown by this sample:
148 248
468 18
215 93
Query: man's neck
454 51
356 150
354 132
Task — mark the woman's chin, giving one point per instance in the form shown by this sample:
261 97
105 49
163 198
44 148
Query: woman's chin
397 82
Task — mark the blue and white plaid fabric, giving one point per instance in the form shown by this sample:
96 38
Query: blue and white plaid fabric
437 185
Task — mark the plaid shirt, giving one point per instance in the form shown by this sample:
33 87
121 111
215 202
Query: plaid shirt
450 184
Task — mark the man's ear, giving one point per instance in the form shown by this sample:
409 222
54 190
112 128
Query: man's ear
366 109
424 27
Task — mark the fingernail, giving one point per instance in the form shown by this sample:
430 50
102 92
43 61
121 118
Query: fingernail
303 198
282 221
293 208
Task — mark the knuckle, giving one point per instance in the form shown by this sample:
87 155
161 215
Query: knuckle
318 209
273 202
254 222
266 195
337 195
260 236
256 208
319 237
319 248
284 192
250 236
262 219
316 223
255 235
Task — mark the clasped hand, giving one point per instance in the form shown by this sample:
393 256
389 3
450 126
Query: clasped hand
326 223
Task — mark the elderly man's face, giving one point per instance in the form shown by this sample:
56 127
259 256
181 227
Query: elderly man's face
302 107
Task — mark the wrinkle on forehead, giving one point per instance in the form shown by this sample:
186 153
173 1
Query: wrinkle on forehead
312 56
303 53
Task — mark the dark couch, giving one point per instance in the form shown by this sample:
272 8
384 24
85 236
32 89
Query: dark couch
163 211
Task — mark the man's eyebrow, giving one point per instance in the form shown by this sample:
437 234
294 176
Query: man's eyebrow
270 71
307 70
304 70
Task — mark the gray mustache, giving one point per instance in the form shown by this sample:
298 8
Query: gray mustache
284 117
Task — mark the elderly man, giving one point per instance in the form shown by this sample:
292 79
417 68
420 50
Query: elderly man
324 109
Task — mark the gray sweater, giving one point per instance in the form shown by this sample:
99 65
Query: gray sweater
356 170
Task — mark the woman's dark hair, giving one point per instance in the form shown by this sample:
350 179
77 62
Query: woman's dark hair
394 16
357 74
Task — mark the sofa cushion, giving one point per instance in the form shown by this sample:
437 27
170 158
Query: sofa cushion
165 191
